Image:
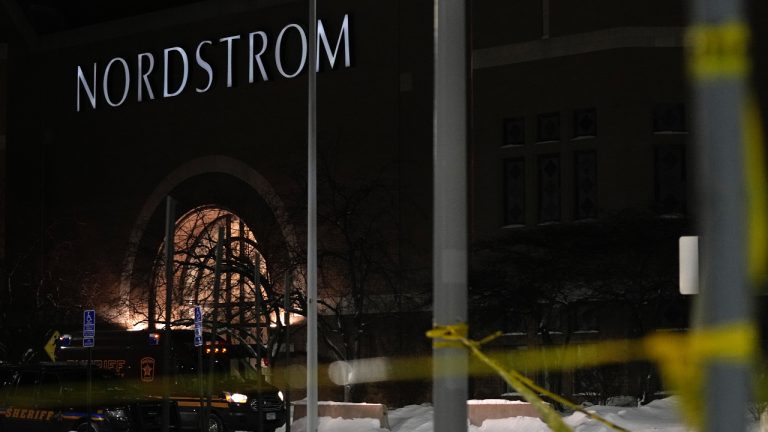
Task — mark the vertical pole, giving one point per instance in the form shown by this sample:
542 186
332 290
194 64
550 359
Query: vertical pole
203 414
719 66
89 396
450 212
312 223
228 277
286 320
170 229
241 280
257 299
214 319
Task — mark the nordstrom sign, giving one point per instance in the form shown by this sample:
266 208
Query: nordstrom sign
147 77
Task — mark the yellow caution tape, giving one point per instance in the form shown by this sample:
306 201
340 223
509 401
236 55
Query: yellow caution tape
757 196
718 51
445 336
681 358
527 388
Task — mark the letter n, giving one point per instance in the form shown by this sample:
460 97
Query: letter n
90 90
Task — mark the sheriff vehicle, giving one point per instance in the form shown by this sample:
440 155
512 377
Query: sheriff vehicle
49 397
230 392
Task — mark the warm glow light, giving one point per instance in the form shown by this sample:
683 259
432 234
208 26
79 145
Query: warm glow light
292 318
138 327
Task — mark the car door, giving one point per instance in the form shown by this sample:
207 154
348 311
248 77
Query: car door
49 402
21 411
7 382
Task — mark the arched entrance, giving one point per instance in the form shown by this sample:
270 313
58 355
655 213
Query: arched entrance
215 192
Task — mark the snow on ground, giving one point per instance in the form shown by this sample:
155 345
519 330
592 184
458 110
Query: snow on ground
657 416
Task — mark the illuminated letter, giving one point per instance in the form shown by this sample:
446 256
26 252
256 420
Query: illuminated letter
90 91
322 38
184 60
278 49
205 65
229 40
257 57
142 78
105 81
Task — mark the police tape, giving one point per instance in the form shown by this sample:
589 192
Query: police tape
681 358
527 388
718 51
757 196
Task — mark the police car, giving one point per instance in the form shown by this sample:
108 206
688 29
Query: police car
54 398
237 397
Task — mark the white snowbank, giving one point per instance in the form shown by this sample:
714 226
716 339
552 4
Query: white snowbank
657 416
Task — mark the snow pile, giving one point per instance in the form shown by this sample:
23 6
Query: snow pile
658 416
494 402
328 424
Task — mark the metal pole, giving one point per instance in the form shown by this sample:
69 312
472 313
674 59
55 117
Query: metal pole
170 229
89 396
215 317
312 223
720 39
257 299
450 212
203 414
286 320
228 256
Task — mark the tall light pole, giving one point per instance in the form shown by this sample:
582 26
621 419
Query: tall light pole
450 211
719 62
312 222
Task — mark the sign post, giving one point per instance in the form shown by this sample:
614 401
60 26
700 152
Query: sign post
89 337
199 345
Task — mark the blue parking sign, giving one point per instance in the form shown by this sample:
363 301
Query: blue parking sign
198 326
89 328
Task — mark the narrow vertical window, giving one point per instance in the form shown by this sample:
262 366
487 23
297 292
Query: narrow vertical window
549 188
670 184
514 191
585 185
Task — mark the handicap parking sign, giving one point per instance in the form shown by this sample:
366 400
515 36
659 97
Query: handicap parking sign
198 326
89 328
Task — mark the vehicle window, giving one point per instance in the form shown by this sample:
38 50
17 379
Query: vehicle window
76 381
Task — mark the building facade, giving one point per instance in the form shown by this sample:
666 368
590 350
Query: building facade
578 147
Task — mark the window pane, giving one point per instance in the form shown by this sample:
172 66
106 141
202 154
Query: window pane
514 191
514 131
548 127
669 118
670 179
585 123
549 188
586 185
